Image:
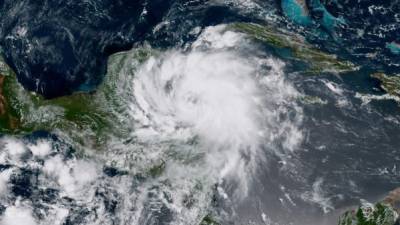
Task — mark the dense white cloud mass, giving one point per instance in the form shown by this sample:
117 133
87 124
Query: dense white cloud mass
18 216
200 118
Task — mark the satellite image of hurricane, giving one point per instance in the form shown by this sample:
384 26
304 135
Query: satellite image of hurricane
199 112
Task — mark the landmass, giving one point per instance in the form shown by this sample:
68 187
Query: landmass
316 60
312 100
208 220
86 116
390 84
385 212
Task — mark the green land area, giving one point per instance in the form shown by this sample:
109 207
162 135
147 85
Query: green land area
385 212
86 117
390 84
299 49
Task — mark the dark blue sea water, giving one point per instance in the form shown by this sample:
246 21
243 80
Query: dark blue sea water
65 44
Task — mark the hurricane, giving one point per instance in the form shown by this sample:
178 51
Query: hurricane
221 112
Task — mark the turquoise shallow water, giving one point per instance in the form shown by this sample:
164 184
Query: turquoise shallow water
393 47
297 12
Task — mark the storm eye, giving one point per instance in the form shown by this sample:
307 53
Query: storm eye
169 86
192 98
